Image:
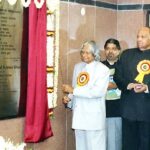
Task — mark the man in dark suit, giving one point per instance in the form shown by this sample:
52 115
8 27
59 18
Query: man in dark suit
132 76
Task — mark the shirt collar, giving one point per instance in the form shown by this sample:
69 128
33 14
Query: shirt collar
111 62
90 65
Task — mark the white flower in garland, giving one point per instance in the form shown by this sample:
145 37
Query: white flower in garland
50 22
50 70
12 2
39 4
52 52
2 142
52 5
50 80
26 3
50 59
9 145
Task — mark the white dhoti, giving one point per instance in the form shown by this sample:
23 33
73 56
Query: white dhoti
90 139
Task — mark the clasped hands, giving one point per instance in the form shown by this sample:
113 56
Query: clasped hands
66 89
137 87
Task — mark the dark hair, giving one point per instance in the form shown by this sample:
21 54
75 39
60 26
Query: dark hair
113 41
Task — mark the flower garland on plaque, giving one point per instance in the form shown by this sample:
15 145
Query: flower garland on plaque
38 4
12 2
51 4
26 3
52 46
52 54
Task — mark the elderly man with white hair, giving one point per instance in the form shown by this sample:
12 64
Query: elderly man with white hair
87 94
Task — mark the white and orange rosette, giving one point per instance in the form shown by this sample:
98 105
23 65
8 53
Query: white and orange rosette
82 79
143 68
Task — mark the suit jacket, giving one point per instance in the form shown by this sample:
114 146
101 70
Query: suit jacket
89 99
135 106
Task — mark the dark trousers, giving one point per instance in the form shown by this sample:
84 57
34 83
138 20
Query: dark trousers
136 135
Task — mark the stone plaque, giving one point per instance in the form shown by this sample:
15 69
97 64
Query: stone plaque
10 55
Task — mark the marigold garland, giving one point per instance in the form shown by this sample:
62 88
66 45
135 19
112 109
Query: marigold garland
52 45
52 56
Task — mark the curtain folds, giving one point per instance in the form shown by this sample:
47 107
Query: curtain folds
37 122
24 65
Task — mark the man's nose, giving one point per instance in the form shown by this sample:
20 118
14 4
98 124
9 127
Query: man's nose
110 50
139 39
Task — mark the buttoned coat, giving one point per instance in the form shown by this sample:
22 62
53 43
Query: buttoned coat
134 106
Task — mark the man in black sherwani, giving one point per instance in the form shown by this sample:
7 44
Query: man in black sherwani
132 76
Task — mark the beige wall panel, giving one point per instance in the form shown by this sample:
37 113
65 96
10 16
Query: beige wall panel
146 1
130 1
64 74
128 23
106 23
81 28
64 41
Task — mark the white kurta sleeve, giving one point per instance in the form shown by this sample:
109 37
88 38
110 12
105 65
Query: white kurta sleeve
97 88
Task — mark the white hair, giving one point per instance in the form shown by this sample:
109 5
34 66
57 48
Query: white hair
93 49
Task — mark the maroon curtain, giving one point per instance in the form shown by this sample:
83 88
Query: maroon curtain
24 65
37 122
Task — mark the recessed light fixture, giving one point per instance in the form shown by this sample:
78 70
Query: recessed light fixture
82 11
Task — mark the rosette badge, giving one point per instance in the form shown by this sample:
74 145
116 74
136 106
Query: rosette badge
143 69
83 79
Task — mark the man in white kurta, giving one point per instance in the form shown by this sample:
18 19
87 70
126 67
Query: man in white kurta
90 82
